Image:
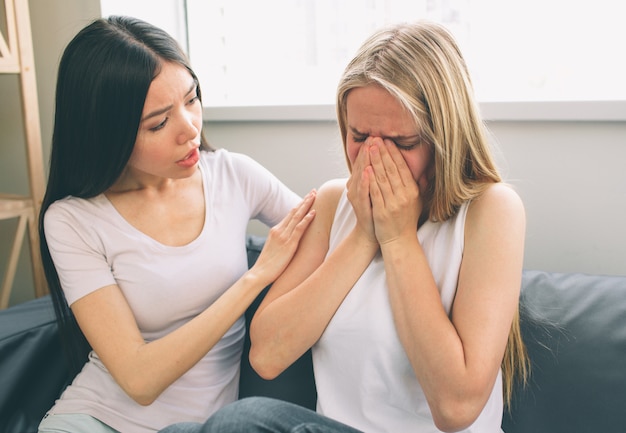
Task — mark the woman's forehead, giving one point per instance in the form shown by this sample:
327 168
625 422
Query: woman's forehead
373 110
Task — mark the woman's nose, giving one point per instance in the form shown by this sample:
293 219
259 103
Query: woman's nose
189 129
374 140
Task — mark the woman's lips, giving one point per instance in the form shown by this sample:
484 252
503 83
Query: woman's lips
190 159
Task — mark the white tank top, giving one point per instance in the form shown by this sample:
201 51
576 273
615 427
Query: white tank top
363 375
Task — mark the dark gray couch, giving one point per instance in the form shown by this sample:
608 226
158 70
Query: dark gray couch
574 326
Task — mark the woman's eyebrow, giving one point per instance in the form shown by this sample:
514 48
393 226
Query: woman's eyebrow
193 86
156 113
160 111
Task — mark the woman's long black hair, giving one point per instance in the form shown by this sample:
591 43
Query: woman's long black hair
104 76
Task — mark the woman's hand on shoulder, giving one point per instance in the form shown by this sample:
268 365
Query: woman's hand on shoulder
283 239
312 248
314 236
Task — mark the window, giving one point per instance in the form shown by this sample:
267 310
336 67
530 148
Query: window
292 52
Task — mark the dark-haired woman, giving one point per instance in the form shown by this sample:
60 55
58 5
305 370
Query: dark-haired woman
143 231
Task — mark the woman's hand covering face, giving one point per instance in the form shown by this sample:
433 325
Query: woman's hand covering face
395 195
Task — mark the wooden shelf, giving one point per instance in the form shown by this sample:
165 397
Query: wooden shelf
16 57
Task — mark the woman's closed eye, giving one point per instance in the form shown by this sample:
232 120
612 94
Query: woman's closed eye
160 125
359 138
401 143
406 145
195 98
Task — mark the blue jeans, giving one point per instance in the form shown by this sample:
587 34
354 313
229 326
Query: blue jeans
263 415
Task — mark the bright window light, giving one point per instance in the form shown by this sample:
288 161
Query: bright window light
292 52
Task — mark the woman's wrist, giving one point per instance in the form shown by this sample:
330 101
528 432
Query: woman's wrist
363 241
255 280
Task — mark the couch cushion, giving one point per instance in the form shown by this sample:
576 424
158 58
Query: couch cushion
32 366
574 326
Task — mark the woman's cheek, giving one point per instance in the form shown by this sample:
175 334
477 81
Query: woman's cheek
413 166
353 152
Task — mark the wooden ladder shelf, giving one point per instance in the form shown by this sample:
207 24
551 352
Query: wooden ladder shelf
17 57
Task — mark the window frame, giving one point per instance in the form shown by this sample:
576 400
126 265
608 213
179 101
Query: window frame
574 111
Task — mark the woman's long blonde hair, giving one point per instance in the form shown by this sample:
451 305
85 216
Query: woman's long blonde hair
422 66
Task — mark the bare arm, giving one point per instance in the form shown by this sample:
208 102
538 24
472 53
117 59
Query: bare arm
145 370
457 359
301 303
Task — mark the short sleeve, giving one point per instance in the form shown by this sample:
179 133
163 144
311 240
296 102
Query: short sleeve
77 254
269 199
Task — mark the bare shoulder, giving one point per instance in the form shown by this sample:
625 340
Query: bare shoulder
499 199
333 187
326 200
495 231
328 195
498 207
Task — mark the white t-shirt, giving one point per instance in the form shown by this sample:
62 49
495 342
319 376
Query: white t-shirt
93 246
363 375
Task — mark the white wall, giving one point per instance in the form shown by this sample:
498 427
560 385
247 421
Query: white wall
570 175
572 179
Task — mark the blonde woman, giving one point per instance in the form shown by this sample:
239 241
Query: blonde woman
406 285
